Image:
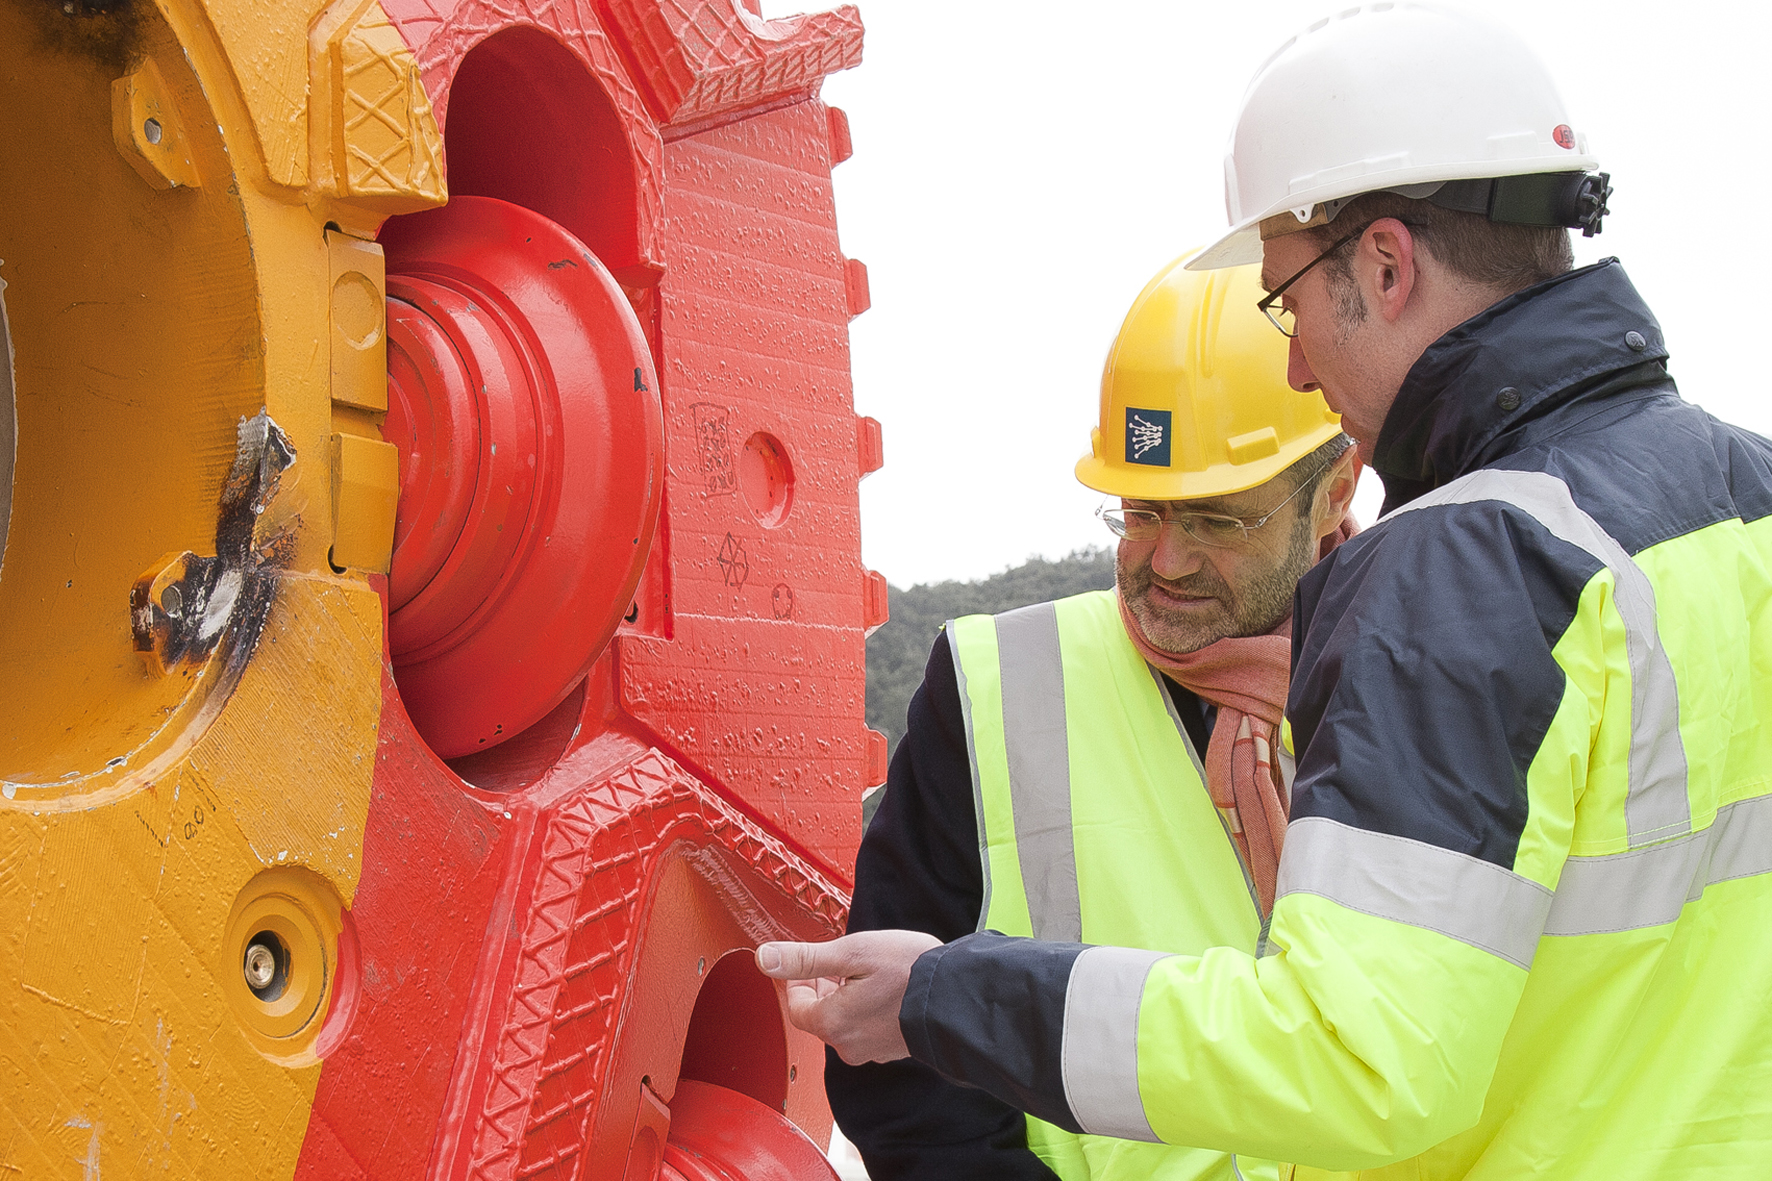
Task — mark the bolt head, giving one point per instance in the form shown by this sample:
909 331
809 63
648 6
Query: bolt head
261 967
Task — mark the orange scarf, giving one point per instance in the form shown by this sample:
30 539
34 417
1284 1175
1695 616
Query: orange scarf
1246 678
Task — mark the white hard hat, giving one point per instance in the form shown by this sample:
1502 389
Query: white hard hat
1397 95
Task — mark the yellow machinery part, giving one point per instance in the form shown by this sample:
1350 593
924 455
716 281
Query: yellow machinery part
170 289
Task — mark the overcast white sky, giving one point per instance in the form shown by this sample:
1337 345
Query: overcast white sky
1021 169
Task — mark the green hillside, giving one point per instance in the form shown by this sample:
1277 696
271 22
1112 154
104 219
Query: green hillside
900 649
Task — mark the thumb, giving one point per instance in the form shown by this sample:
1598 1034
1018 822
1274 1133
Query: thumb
804 961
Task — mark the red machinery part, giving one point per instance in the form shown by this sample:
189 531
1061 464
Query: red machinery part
718 1134
523 399
556 956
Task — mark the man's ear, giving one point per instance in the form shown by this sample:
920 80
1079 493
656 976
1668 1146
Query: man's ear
1335 493
1385 263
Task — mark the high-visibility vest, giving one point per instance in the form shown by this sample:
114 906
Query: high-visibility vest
1596 1011
1094 824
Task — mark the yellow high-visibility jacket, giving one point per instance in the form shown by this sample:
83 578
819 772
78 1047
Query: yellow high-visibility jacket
1525 913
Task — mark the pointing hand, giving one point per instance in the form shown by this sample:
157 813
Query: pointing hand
847 992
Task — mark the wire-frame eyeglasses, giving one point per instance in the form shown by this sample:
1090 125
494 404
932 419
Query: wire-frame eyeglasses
1281 317
1214 529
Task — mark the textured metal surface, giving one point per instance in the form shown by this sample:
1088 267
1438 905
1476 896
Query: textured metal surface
702 58
597 852
530 961
754 325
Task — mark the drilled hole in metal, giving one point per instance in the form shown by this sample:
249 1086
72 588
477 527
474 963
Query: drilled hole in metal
266 966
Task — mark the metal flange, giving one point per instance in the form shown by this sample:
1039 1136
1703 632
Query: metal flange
523 399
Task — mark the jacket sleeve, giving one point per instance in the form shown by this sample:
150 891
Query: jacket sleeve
918 869
1448 688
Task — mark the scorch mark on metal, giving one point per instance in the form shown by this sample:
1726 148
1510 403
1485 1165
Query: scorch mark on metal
180 612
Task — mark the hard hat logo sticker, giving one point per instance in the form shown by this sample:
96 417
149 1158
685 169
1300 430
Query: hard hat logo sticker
1564 136
1147 436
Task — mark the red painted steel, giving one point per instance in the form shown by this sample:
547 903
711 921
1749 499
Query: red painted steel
532 449
721 1135
554 934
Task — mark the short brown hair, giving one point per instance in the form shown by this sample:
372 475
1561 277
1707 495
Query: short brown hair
1504 257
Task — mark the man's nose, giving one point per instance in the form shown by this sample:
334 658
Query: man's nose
1177 554
1298 370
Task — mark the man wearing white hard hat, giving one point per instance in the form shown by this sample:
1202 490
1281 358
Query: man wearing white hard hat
1523 913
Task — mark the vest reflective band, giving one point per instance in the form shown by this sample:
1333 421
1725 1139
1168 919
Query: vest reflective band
1657 806
1589 995
1094 825
1506 913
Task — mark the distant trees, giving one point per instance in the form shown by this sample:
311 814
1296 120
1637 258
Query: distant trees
900 649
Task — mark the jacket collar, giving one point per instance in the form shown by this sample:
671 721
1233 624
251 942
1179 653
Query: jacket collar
1534 351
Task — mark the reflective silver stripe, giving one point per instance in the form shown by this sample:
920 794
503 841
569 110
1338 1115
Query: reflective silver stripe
984 850
1406 881
1099 1059
1649 887
1040 769
1656 806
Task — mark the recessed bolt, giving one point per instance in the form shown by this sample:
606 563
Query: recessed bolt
261 967
171 601
151 131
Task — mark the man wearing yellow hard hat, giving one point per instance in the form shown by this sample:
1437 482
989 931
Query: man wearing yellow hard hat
1523 913
1106 768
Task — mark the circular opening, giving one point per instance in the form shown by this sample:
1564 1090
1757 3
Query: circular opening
283 943
529 124
113 309
767 477
151 131
266 966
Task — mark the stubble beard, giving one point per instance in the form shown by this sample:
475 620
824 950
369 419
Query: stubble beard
1254 609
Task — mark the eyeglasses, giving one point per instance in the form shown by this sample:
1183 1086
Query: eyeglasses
1213 529
1281 317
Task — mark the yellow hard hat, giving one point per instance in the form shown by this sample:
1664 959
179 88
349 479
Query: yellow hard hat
1194 400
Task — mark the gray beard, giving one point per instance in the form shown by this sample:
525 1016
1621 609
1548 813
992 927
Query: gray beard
1254 608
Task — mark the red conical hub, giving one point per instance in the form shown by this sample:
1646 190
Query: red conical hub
523 399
